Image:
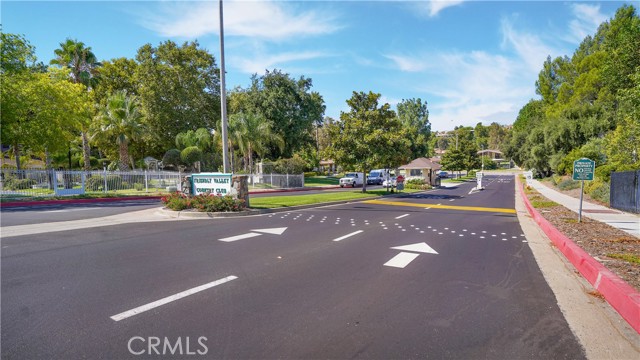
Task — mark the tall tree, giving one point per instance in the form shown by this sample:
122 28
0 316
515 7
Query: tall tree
83 64
288 103
414 116
368 136
178 89
255 136
121 119
116 75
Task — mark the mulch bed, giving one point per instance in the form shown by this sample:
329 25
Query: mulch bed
612 247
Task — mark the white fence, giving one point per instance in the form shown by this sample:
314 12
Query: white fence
44 183
48 183
276 181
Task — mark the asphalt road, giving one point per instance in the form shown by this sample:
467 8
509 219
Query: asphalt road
23 215
319 283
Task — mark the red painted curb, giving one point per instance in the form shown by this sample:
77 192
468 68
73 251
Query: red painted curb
76 201
624 298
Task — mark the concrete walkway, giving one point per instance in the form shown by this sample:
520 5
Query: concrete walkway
627 222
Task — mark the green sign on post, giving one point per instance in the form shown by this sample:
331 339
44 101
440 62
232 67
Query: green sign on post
583 170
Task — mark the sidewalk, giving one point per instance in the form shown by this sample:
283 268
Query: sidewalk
627 222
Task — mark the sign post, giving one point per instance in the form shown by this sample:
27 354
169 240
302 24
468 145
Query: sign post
583 169
479 177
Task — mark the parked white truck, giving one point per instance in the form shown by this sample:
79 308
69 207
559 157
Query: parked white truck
352 179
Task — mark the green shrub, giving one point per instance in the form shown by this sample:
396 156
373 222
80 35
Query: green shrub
568 184
190 155
171 158
295 165
598 190
472 173
13 183
207 203
310 174
96 183
138 186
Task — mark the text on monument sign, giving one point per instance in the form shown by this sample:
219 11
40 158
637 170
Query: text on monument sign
583 169
213 183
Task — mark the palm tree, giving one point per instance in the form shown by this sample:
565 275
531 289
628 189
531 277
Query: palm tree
254 135
83 64
121 119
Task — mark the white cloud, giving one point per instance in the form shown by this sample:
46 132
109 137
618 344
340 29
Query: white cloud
588 18
408 64
529 47
260 62
464 88
265 20
434 7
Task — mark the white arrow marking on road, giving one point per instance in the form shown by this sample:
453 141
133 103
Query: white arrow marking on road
417 247
401 260
401 216
275 231
239 237
348 235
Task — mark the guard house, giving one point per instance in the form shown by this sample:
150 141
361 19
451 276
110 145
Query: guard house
421 168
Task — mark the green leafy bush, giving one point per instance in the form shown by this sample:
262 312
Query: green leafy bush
138 186
171 158
417 184
310 174
96 183
598 190
207 203
190 155
568 184
14 183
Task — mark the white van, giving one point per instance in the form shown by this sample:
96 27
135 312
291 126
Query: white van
377 177
352 179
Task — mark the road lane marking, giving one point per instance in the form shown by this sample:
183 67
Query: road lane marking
239 237
168 299
401 260
401 216
449 207
422 247
348 235
274 231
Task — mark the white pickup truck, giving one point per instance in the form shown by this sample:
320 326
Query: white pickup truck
352 179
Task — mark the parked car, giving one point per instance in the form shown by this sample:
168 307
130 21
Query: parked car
443 174
376 177
352 179
391 182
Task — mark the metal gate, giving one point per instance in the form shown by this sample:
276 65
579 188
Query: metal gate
625 191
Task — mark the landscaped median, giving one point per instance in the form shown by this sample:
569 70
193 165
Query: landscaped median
597 238
214 206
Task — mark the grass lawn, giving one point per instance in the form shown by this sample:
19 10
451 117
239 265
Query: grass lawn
272 202
320 181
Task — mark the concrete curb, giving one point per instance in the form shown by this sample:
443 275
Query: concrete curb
624 298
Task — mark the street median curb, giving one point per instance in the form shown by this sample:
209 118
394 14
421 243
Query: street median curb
624 298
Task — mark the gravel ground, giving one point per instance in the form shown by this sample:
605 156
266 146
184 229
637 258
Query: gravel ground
615 249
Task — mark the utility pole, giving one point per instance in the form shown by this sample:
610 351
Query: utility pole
223 99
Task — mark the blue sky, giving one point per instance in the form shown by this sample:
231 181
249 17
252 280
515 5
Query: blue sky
472 61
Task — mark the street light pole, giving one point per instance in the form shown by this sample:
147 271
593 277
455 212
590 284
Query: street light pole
223 98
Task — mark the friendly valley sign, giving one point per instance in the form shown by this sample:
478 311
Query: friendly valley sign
211 183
